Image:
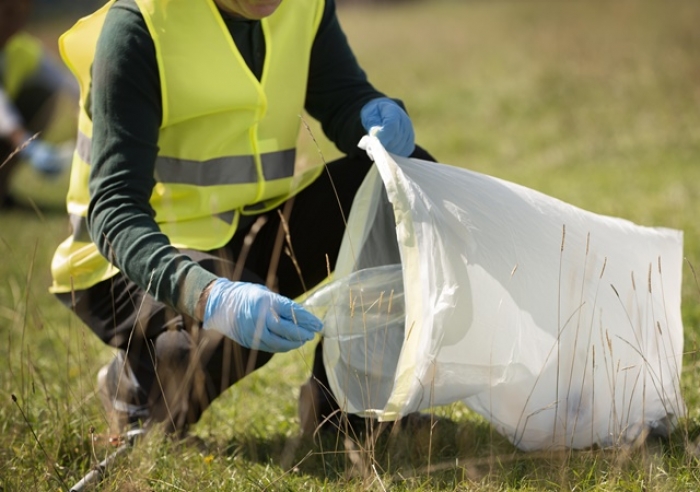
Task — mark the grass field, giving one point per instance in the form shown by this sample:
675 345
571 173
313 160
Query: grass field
594 102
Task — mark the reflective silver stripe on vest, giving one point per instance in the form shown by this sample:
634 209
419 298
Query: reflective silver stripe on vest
80 229
220 171
278 165
83 146
227 217
225 170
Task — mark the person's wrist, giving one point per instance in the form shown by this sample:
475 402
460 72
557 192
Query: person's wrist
202 301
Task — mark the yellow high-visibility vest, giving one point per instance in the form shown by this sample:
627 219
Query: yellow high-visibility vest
23 54
227 141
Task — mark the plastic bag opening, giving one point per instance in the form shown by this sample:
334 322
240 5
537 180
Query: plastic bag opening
364 316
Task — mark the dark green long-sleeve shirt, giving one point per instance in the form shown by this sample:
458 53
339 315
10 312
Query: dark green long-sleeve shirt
126 108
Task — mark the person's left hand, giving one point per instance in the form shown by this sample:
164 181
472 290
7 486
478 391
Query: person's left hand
255 317
394 127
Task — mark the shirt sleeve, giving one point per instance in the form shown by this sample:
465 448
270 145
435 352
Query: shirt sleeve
126 112
338 87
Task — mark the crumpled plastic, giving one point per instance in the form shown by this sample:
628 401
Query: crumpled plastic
560 326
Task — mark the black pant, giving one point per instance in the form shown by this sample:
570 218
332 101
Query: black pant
167 350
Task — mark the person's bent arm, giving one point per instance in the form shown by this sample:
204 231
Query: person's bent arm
338 87
339 92
126 114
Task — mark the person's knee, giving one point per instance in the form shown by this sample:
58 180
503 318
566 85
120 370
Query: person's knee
172 350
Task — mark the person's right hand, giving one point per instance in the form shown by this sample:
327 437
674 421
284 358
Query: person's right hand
257 318
390 124
45 158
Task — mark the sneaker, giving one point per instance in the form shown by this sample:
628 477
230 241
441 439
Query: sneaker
118 391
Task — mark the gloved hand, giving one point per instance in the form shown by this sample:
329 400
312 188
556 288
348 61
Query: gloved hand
257 318
45 158
395 130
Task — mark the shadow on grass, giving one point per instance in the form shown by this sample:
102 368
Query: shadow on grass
439 451
449 453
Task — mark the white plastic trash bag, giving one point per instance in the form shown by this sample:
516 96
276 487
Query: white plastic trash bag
560 326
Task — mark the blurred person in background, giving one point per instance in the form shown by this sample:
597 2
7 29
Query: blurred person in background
30 83
184 166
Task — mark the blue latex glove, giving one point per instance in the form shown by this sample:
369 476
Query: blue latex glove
395 130
44 157
257 318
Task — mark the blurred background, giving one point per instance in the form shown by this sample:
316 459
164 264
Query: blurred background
45 8
48 8
62 12
594 102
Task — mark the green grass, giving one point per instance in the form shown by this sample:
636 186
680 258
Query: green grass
595 103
